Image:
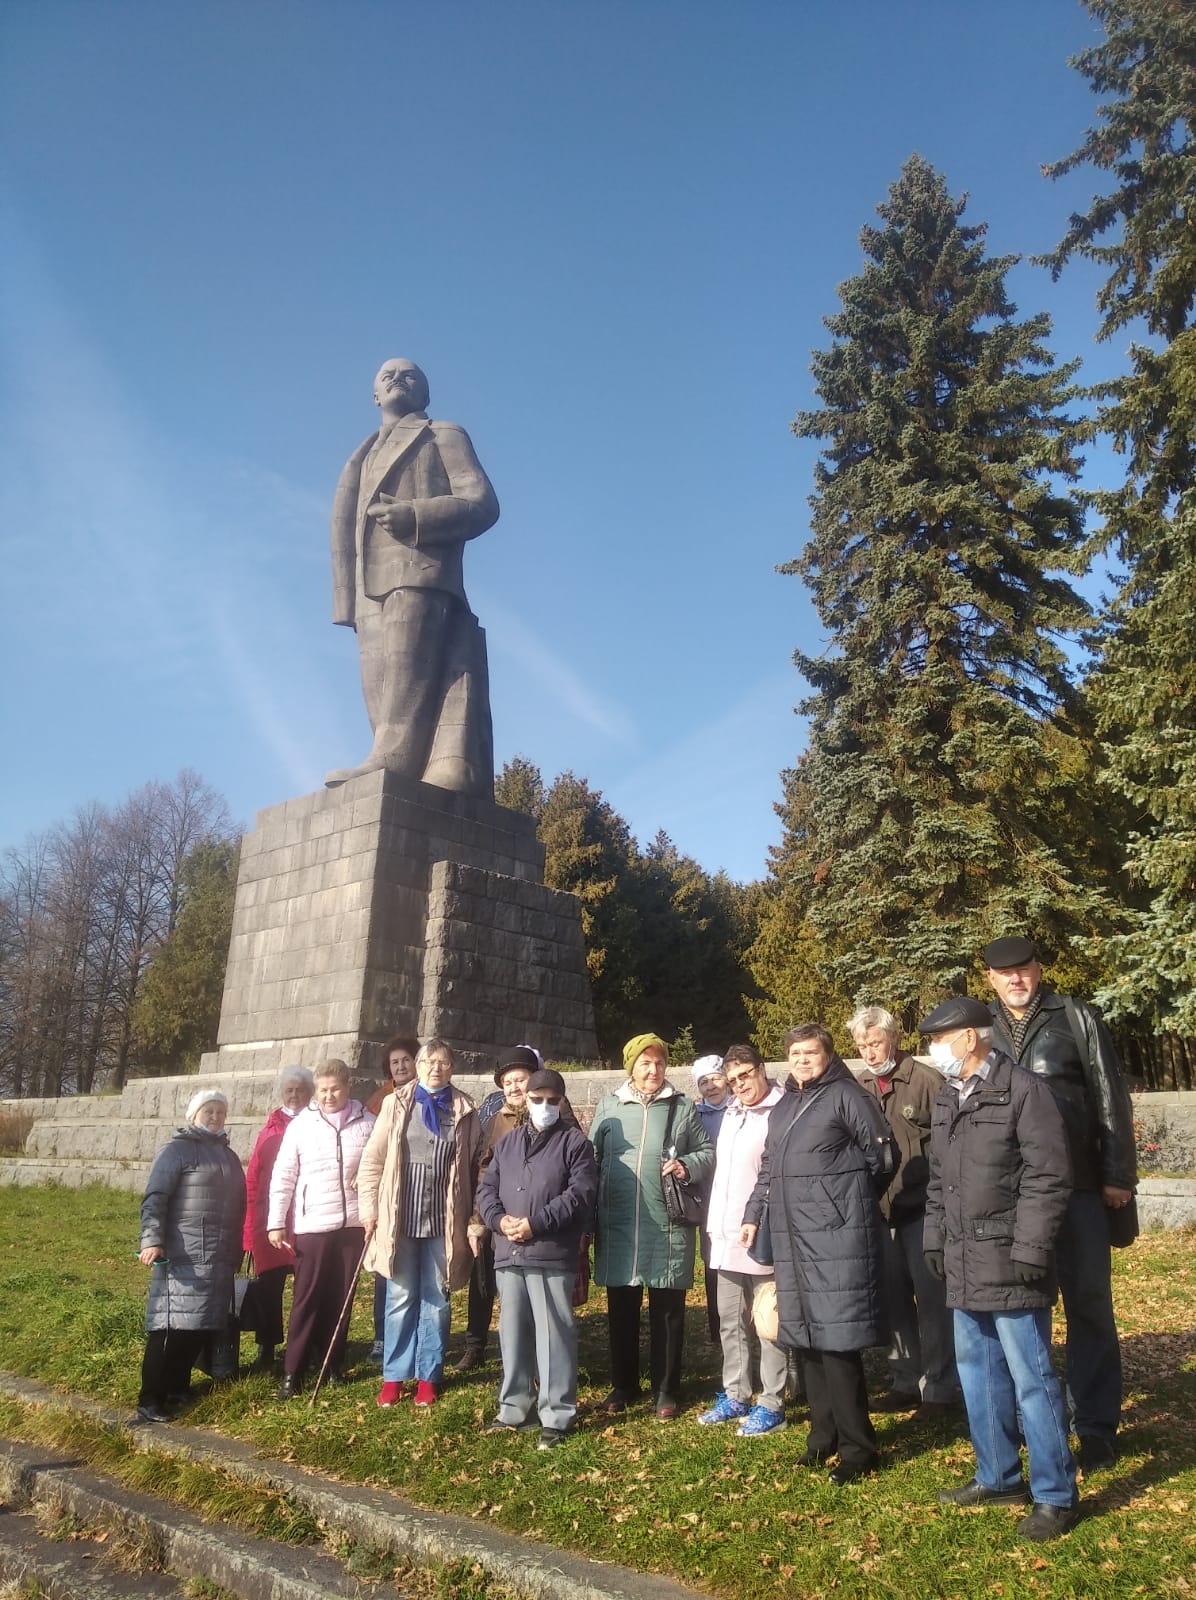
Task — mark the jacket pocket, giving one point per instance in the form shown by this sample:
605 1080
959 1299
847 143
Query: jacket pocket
998 1228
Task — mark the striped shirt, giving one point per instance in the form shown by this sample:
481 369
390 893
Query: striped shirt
427 1158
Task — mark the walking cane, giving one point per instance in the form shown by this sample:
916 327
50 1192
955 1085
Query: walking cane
339 1322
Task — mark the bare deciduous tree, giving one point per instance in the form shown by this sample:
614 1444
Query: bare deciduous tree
83 909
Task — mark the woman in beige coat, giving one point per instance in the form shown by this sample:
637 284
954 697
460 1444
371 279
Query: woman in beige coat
415 1190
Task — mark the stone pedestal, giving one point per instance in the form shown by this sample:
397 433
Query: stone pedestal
390 906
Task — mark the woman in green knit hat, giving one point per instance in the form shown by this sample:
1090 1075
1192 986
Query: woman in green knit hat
645 1129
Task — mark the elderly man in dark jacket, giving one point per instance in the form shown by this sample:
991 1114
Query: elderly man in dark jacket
1000 1177
537 1197
1066 1044
828 1154
922 1357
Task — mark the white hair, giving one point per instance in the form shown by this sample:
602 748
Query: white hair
293 1074
874 1017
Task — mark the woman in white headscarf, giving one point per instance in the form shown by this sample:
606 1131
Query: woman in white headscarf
191 1219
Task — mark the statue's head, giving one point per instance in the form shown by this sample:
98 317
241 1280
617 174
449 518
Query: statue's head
400 388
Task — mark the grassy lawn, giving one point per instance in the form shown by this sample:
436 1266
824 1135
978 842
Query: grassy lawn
733 1516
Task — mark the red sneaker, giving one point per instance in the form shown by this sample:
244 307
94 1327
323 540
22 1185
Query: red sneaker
425 1393
391 1393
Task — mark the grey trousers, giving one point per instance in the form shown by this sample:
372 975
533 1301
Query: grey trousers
537 1335
735 1290
922 1356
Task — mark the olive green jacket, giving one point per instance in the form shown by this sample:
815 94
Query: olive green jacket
635 1242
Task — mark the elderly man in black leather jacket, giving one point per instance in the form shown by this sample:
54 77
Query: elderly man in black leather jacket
1068 1046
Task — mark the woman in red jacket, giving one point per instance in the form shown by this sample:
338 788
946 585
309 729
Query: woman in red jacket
292 1092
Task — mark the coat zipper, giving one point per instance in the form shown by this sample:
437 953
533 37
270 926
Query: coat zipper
639 1161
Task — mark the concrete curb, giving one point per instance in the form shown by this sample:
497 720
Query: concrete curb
1167 1202
380 1519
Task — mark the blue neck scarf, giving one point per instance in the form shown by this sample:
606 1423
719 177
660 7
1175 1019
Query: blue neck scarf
429 1104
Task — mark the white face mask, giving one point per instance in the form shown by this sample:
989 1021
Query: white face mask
884 1069
942 1053
543 1115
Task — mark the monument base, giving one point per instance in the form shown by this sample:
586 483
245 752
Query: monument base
390 906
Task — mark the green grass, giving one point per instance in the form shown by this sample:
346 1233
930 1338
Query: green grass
728 1515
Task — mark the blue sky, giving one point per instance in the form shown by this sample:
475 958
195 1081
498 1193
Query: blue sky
608 232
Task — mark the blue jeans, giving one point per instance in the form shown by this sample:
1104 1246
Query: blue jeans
1093 1351
1004 1362
417 1313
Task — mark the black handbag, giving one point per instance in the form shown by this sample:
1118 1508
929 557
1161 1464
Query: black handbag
1123 1224
684 1202
760 1249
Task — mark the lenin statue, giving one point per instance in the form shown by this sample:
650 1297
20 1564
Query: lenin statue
408 499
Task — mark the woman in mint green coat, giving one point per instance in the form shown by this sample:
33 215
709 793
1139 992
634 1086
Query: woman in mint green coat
636 1141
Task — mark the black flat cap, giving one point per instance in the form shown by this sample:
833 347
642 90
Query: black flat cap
1011 952
960 1011
547 1079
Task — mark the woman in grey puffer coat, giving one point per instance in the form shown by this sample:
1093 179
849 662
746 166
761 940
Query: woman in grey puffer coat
191 1218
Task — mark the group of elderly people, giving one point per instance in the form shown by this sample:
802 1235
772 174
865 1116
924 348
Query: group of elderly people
915 1207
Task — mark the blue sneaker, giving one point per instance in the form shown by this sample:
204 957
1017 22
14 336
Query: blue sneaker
724 1409
761 1420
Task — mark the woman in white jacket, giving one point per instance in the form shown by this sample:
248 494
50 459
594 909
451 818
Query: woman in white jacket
317 1170
741 1137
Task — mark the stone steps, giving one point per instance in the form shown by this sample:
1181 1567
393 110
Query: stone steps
70 1566
371 1518
182 1544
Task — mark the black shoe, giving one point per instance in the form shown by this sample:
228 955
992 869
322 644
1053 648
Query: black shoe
1096 1452
290 1386
528 1425
844 1473
892 1400
152 1414
615 1402
551 1437
977 1494
472 1356
1047 1522
935 1411
814 1458
265 1359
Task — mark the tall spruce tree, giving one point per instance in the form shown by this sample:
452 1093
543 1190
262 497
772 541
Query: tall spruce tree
937 805
1143 231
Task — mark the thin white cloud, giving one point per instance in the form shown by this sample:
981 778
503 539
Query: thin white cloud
509 634
175 580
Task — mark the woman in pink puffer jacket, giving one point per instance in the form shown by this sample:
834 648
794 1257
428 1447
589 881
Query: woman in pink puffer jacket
316 1172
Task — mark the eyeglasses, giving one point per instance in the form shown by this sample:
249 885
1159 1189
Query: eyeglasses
545 1099
736 1078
